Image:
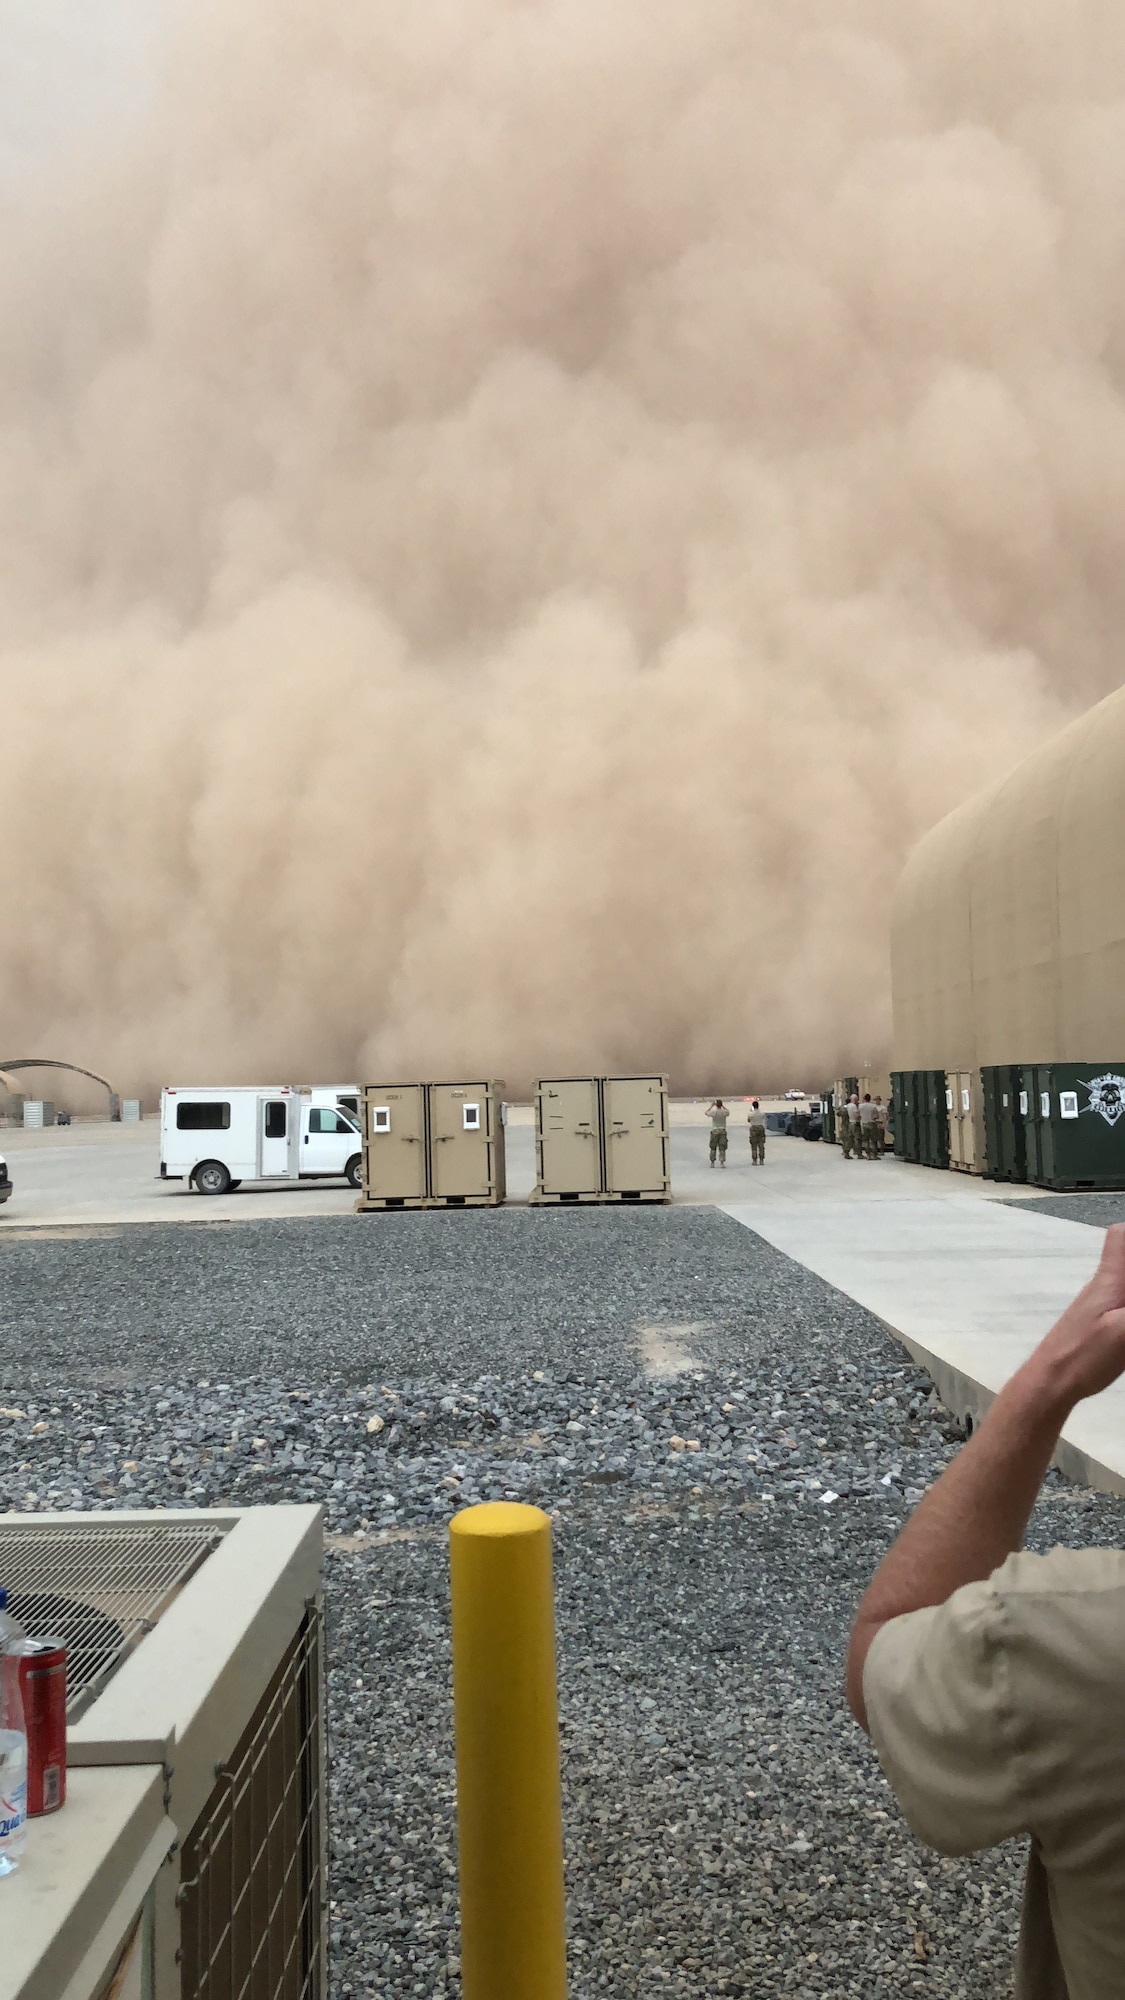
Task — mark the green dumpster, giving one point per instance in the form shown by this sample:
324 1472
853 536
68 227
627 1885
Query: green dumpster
990 1093
906 1100
1004 1125
1079 1117
933 1090
1027 1093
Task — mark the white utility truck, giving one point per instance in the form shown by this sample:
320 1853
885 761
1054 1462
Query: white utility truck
217 1138
345 1096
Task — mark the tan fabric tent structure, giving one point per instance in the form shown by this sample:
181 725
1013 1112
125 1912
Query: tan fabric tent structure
1008 933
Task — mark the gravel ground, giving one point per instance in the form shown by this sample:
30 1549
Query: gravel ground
413 1294
728 1830
1099 1210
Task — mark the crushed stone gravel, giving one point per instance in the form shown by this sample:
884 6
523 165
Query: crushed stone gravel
435 1294
728 1829
1099 1210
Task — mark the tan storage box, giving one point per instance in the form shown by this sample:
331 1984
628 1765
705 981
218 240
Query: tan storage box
568 1139
635 1127
394 1145
953 1112
466 1144
601 1138
432 1145
878 1085
964 1098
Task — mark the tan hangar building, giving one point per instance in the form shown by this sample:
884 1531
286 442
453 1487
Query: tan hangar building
1008 931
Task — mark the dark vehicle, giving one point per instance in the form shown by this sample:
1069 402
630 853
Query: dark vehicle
5 1182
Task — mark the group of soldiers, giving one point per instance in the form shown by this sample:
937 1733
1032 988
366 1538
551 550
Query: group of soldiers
718 1113
861 1127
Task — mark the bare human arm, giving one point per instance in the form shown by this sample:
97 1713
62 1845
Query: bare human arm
975 1515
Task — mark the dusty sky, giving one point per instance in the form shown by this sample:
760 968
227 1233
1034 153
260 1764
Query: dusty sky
513 517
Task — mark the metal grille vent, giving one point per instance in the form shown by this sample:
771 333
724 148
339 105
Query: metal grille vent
252 1891
99 1587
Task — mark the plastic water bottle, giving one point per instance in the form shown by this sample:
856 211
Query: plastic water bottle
13 1743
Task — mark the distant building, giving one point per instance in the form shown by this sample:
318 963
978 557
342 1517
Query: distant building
1008 934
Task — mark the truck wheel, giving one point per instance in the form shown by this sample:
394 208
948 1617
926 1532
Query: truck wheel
212 1177
354 1170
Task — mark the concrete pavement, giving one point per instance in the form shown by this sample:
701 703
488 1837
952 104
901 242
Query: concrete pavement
967 1283
96 1176
101 1175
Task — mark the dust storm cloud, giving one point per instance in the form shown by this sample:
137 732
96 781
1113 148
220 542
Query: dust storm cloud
515 516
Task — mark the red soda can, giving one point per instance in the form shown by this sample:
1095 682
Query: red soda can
43 1686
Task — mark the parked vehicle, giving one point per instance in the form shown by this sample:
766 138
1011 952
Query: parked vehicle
345 1096
5 1181
217 1138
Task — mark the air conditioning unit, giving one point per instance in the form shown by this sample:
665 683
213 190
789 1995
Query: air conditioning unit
189 1862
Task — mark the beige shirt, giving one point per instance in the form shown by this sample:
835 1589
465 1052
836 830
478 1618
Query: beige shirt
852 1111
867 1114
757 1119
1002 1712
719 1116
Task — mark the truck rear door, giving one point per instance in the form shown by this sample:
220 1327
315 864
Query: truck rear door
274 1114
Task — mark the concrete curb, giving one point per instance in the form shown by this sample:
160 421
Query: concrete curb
969 1400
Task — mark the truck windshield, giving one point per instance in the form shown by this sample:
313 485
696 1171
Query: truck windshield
322 1119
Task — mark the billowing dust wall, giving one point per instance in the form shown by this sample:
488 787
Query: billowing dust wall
1008 942
515 515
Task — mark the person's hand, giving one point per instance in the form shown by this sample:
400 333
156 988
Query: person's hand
1085 1350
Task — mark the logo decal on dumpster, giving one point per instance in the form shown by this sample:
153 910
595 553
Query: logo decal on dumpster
1107 1097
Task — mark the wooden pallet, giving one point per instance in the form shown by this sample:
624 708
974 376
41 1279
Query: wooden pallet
538 1199
380 1204
537 1196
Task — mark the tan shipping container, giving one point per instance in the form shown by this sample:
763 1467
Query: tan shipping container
432 1145
966 1121
568 1139
635 1124
879 1085
955 1121
972 1108
467 1162
394 1145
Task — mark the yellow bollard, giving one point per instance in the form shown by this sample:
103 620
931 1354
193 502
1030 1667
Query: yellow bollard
509 1804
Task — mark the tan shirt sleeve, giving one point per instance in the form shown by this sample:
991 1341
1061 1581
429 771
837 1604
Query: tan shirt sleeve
940 1713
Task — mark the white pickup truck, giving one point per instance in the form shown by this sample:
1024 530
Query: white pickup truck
217 1138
